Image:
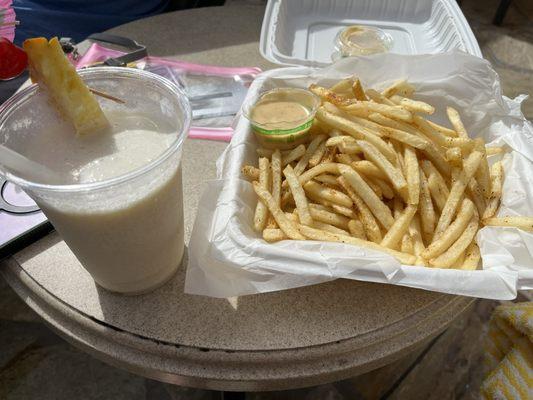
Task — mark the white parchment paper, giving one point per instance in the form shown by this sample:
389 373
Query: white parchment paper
228 258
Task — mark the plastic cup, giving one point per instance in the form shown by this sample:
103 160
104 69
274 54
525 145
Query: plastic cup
126 231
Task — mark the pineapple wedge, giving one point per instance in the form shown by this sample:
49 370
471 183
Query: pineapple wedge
51 69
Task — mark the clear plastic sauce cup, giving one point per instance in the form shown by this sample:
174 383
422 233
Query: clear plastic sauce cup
126 228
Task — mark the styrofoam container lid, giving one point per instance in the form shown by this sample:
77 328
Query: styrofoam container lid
302 32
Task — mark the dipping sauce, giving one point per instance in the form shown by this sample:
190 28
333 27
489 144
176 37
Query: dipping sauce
359 40
281 117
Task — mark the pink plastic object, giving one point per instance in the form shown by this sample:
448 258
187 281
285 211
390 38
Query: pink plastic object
7 20
97 53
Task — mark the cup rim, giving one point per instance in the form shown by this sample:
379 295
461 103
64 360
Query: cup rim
81 187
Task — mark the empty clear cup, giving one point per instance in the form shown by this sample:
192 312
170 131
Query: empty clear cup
126 229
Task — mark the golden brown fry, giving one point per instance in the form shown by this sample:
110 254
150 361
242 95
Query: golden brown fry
473 190
427 212
384 187
412 175
275 166
343 86
496 174
274 235
413 105
358 90
483 172
329 96
316 190
302 163
450 256
472 257
357 131
438 138
331 168
318 154
261 210
367 168
365 108
360 187
378 97
357 229
524 223
299 196
416 235
456 122
456 193
393 174
346 211
455 157
452 233
494 150
367 218
322 214
287 226
250 172
400 87
315 234
343 159
442 129
331 180
407 244
293 155
400 226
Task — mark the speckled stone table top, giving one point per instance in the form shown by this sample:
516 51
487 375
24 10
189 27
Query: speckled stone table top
278 340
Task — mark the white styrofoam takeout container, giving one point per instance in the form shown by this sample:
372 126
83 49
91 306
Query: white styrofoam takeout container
302 32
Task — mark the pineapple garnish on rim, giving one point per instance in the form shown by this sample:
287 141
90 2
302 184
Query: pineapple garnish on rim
51 69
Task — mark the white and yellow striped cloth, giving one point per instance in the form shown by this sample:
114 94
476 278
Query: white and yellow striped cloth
509 353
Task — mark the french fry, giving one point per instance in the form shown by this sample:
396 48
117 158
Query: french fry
524 223
261 210
294 154
330 96
473 190
343 86
439 193
328 179
316 190
472 257
483 172
496 174
412 105
400 226
367 218
442 129
331 168
450 256
287 226
393 174
358 90
407 244
387 122
438 138
329 157
369 169
427 212
361 188
323 215
346 211
452 233
357 229
302 163
494 150
384 187
373 186
299 196
455 157
365 108
330 228
274 235
318 154
275 166
400 87
343 159
416 235
378 97
250 172
340 140
456 122
315 234
412 175
456 192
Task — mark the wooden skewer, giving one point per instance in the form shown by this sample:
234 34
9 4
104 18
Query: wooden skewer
107 96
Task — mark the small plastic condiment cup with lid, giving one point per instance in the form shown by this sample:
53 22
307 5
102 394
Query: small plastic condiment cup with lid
281 118
358 40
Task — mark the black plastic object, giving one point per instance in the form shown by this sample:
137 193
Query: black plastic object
136 51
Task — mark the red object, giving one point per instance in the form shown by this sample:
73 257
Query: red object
13 60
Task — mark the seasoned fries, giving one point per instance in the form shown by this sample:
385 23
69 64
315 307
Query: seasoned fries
376 173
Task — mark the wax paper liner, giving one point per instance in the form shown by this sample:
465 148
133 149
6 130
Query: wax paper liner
228 258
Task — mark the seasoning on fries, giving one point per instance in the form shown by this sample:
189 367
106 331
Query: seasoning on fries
377 173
